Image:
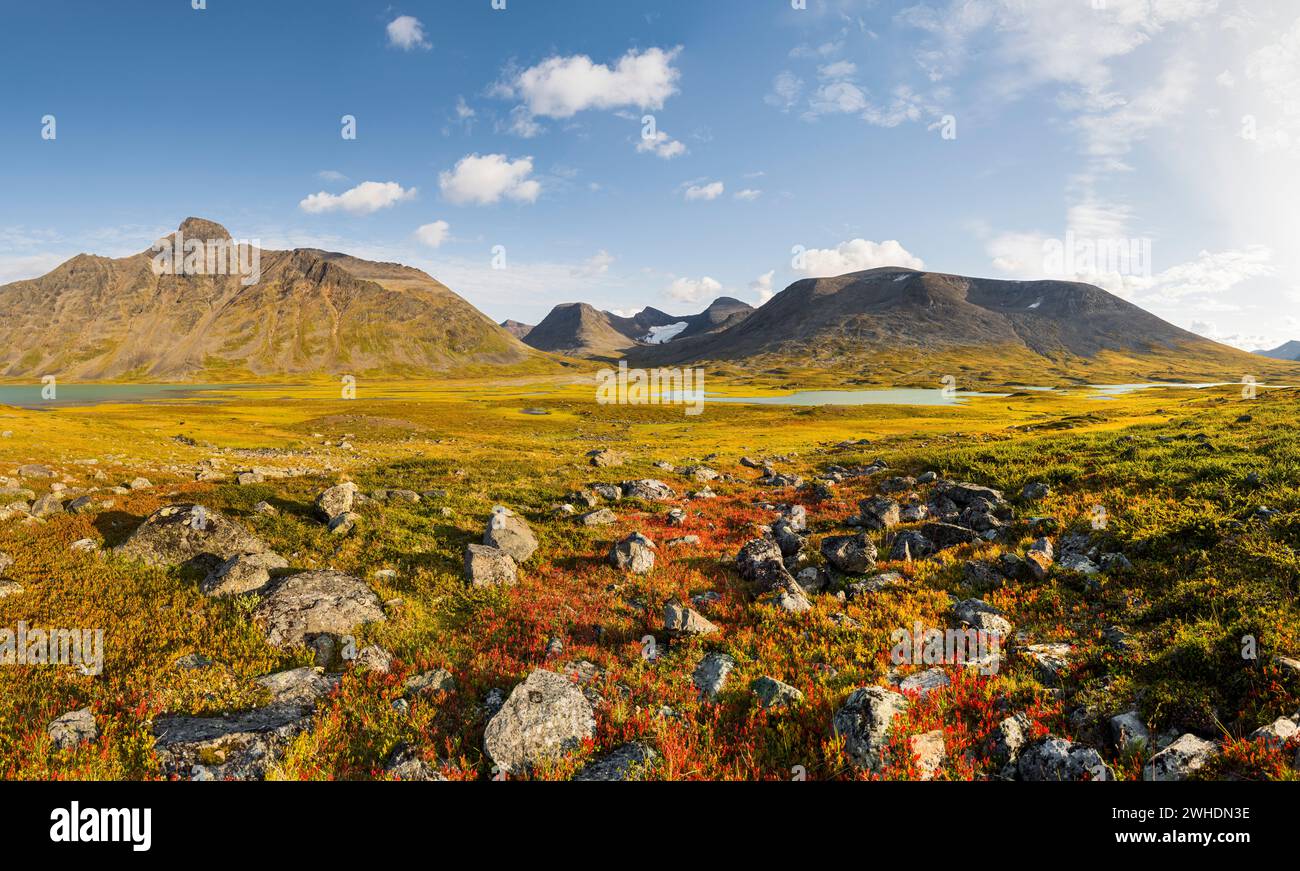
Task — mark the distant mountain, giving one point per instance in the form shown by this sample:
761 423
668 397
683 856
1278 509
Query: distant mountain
578 329
516 329
893 322
1288 351
311 312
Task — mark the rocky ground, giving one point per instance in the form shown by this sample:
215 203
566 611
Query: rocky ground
644 614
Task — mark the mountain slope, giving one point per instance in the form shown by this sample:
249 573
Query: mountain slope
893 322
516 329
312 312
580 330
1287 351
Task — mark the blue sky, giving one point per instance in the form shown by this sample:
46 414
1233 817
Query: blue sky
968 136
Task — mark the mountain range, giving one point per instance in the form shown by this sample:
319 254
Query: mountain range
581 330
1287 351
319 312
95 318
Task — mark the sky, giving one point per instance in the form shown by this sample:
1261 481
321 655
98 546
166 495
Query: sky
660 152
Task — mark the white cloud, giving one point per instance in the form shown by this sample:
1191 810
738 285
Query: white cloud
561 87
483 180
365 198
710 191
661 145
522 124
331 175
597 264
787 88
762 286
692 290
407 33
855 256
1275 70
1211 273
1244 341
433 234
748 195
28 266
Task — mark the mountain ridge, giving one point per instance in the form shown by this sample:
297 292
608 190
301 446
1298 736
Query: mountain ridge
312 312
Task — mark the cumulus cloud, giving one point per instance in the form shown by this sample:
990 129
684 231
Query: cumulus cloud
787 89
709 191
693 290
595 265
762 286
561 87
407 33
433 234
365 198
748 195
485 179
856 255
661 145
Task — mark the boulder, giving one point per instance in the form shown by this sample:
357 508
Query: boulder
1055 759
189 535
880 512
47 506
600 517
343 524
339 499
302 607
242 573
681 620
511 533
910 545
1128 732
1035 491
855 554
635 554
946 535
1277 733
1180 759
73 728
35 470
760 562
244 745
925 682
544 717
982 617
774 694
928 752
864 722
710 676
648 490
606 459
489 566
628 762
408 764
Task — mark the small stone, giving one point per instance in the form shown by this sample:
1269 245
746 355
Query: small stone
710 676
73 728
774 694
683 621
929 752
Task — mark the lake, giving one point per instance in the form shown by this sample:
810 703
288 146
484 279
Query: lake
29 395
